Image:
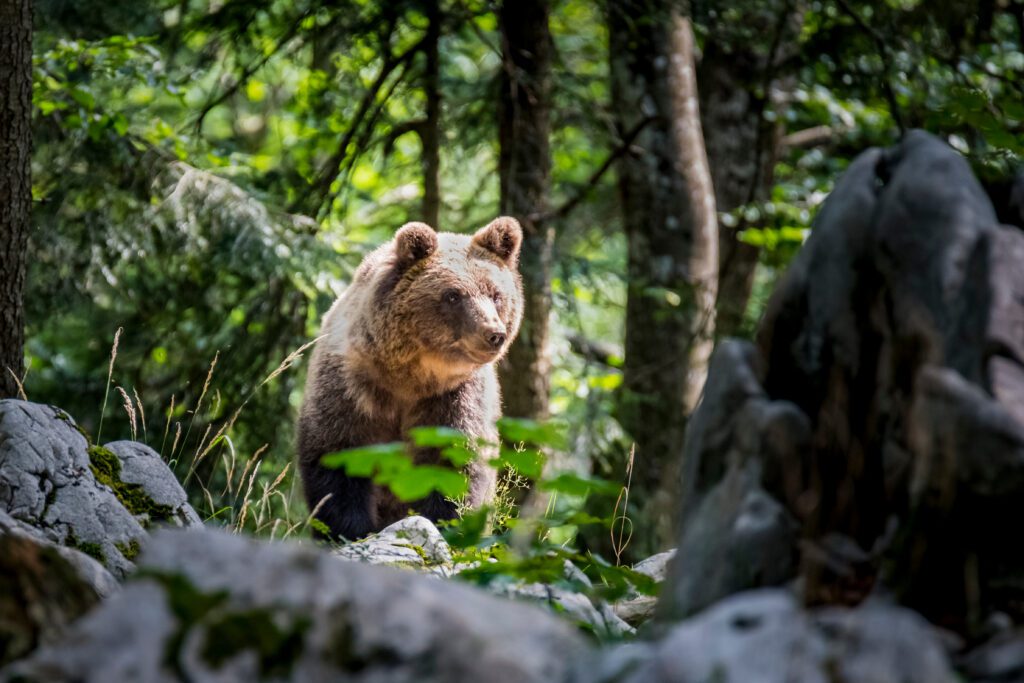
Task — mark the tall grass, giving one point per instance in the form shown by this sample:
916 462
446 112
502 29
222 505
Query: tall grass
254 494
110 374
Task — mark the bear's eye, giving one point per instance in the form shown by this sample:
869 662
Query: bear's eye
451 297
496 298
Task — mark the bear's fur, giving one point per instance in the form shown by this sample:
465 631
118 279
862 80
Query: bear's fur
411 342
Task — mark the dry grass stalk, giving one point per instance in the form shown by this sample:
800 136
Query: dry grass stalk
177 435
202 395
621 541
19 383
167 426
130 409
110 375
247 498
142 414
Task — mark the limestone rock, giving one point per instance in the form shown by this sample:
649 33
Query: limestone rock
411 542
765 636
47 481
209 606
143 467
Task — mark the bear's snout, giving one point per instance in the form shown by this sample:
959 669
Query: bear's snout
496 339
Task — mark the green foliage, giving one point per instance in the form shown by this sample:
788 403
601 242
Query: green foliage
207 176
391 465
93 550
256 629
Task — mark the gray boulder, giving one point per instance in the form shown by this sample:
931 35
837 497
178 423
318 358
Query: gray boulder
738 538
765 636
47 481
415 543
95 499
883 404
592 613
143 467
635 608
210 606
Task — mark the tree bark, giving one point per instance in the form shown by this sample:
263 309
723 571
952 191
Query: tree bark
737 76
15 183
525 170
430 132
669 216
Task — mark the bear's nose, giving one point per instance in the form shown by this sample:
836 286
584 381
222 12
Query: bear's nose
496 339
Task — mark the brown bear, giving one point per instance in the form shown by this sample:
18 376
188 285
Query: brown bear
411 342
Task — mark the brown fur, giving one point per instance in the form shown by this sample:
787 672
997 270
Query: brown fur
412 342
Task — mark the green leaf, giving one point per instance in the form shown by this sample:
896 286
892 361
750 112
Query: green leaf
367 460
528 431
459 456
527 462
468 530
417 482
436 437
83 97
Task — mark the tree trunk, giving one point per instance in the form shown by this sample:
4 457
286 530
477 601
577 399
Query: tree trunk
15 183
525 169
669 216
738 75
430 132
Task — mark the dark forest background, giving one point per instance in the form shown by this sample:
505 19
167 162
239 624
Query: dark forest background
206 175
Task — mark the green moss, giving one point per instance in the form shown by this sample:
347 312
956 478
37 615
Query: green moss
189 605
93 550
130 550
228 632
51 498
106 467
276 647
418 549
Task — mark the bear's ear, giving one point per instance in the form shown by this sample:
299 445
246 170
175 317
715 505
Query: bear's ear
414 242
503 236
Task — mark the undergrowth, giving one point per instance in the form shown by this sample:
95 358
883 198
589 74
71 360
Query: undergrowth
528 533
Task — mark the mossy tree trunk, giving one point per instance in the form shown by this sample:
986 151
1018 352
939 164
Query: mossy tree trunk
525 170
15 183
669 216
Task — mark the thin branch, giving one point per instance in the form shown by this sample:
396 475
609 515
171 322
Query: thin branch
248 72
362 142
331 169
605 353
397 131
811 137
566 208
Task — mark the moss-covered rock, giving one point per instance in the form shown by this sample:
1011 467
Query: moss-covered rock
66 491
106 467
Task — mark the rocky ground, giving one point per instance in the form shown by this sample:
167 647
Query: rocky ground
850 484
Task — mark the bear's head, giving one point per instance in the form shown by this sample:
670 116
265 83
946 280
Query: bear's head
457 298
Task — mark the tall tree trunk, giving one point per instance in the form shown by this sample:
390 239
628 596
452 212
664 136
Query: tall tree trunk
669 215
525 169
430 131
15 183
738 75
